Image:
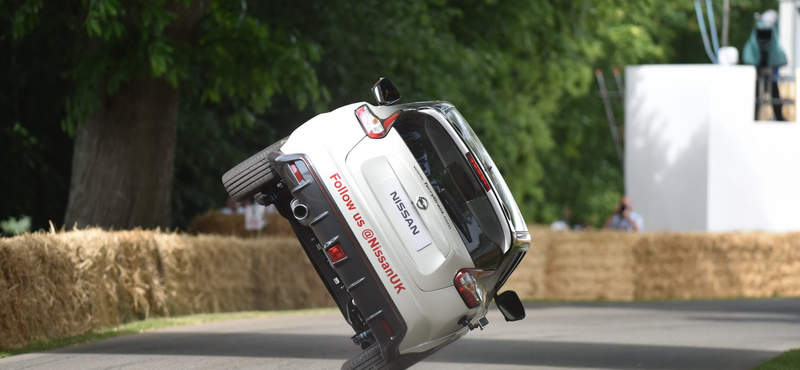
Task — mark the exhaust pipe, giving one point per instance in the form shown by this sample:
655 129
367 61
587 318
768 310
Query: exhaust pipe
299 210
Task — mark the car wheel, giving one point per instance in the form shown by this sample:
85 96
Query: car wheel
248 177
371 358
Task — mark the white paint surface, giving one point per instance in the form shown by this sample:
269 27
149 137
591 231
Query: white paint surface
695 160
786 32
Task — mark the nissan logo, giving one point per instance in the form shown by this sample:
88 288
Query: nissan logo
421 203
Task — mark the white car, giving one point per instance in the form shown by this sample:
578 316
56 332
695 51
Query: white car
404 216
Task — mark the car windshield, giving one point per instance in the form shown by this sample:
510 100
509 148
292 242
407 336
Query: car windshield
456 185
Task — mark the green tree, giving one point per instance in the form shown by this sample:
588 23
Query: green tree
127 62
138 83
506 65
35 153
584 173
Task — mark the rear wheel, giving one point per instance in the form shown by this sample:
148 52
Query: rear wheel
247 178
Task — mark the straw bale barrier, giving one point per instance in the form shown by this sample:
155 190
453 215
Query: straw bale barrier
576 266
609 265
717 265
216 222
61 284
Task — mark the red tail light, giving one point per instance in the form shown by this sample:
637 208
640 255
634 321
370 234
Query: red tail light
336 253
478 171
387 327
466 282
296 172
374 127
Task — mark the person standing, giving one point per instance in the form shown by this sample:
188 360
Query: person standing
232 207
763 50
624 218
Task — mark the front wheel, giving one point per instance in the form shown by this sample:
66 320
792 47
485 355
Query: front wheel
370 358
247 178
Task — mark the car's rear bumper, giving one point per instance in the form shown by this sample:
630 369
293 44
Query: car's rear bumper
358 278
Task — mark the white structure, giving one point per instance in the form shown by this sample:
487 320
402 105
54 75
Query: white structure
695 159
789 33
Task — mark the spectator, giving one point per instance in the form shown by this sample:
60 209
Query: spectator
559 225
564 223
764 51
254 216
582 226
624 218
232 207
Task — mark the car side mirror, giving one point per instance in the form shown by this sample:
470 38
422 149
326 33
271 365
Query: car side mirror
385 92
510 305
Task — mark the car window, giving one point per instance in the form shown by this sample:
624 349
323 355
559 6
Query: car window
501 189
456 184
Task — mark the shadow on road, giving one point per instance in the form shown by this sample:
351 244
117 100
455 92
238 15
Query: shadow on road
750 319
771 306
472 351
260 340
595 355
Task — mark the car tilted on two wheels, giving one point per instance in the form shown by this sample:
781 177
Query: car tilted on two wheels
404 216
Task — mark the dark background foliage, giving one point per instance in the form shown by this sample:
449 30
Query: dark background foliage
520 71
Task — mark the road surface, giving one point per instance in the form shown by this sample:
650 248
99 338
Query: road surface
719 334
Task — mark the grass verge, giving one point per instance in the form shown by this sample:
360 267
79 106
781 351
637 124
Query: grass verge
789 360
148 325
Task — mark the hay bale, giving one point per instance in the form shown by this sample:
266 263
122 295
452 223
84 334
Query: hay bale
210 273
215 222
206 273
590 265
62 284
528 280
279 287
40 295
56 285
69 283
605 265
717 265
788 91
565 265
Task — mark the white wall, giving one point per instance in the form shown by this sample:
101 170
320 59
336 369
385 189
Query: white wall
695 160
787 16
754 179
666 138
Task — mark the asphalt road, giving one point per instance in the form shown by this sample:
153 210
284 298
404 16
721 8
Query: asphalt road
718 335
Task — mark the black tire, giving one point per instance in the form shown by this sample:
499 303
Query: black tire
248 177
371 358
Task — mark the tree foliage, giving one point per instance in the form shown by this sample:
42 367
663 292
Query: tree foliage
35 154
506 65
584 178
110 44
521 71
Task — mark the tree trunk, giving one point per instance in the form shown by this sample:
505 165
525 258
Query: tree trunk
124 156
